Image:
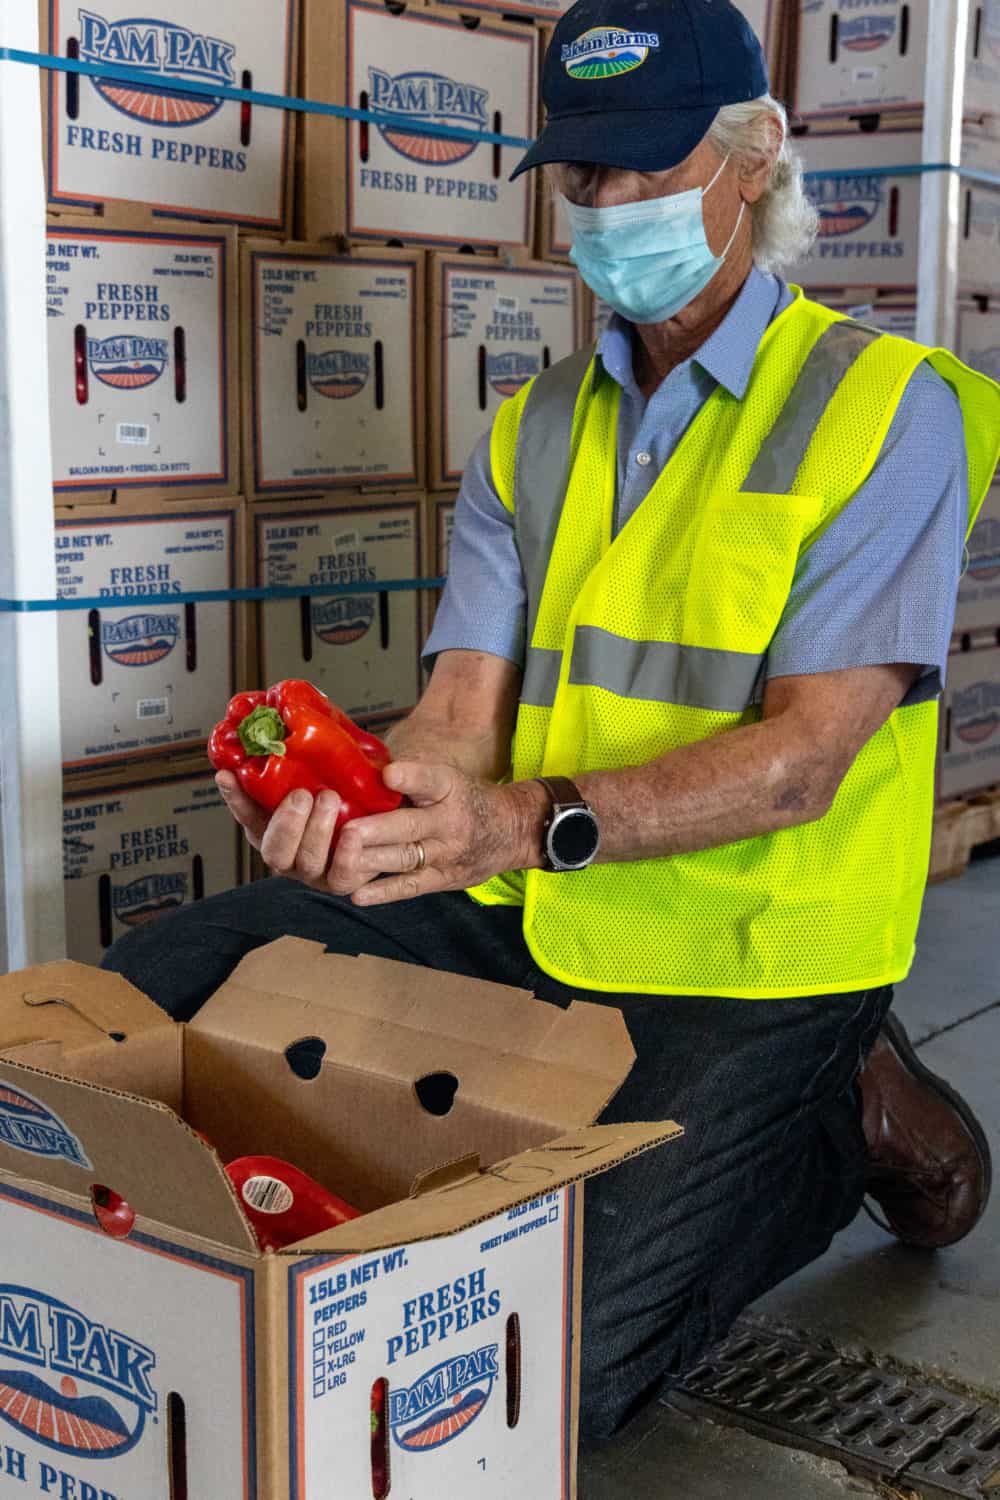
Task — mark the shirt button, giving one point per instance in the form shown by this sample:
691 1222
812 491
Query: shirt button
643 459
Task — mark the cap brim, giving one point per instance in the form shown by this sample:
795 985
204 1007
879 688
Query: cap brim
655 139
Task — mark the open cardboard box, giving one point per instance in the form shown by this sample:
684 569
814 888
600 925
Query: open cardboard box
181 1360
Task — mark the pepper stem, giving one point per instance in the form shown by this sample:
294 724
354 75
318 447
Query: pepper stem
263 731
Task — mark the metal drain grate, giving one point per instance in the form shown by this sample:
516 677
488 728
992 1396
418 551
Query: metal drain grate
876 1423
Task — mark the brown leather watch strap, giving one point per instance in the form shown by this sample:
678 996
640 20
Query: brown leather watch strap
564 793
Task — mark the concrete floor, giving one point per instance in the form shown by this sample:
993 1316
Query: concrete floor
936 1313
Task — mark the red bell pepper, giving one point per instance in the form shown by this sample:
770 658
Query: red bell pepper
293 737
283 1203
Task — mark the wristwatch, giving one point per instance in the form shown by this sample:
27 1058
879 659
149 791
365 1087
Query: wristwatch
571 836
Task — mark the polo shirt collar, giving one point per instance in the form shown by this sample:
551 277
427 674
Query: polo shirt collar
727 355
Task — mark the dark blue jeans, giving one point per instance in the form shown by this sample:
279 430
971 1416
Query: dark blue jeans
680 1240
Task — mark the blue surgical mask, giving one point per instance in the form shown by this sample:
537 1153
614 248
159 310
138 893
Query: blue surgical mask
647 260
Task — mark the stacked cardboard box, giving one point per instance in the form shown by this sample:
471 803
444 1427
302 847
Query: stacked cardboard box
858 86
147 191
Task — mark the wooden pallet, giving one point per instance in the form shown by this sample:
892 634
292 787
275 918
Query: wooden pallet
958 827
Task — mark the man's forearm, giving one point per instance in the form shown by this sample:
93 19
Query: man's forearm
426 737
737 785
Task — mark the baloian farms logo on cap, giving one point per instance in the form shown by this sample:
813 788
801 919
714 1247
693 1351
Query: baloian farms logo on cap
434 98
96 1400
338 373
26 1124
441 1404
127 362
164 51
140 640
606 51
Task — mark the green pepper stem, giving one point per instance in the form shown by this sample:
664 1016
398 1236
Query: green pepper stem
263 731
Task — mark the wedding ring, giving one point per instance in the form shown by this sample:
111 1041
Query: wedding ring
421 855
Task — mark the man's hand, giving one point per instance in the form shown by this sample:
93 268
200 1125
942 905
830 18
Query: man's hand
469 831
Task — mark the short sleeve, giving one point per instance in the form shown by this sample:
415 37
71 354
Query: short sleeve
881 583
483 604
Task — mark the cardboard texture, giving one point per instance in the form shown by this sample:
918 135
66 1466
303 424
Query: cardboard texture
134 853
979 589
380 183
142 359
970 718
332 349
137 682
890 314
362 650
870 225
872 55
439 521
492 329
464 1295
188 156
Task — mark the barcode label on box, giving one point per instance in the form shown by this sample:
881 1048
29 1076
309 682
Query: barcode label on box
151 708
133 432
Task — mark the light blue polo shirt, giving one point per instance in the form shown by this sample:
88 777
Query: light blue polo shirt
880 585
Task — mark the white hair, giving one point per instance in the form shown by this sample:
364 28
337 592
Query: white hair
784 219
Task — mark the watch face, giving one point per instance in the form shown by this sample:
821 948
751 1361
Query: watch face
575 838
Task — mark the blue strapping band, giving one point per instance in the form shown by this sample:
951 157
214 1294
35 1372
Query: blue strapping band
255 96
215 596
911 169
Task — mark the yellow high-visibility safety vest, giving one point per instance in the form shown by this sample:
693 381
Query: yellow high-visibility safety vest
657 638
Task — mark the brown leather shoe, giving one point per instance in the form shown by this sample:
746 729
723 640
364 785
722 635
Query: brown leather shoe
929 1164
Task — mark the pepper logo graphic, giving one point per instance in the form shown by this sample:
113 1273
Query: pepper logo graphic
866 33
605 51
163 50
975 712
27 1124
140 640
58 1370
338 622
984 550
147 898
440 1405
845 204
127 362
433 98
509 371
338 373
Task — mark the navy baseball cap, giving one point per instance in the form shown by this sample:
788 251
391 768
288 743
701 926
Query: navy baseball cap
637 83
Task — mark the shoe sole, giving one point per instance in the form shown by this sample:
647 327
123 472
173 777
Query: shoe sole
902 1045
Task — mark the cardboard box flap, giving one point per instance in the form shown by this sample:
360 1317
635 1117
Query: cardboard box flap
471 1199
72 1007
74 1136
510 1052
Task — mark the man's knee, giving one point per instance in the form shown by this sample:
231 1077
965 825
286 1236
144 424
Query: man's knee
177 961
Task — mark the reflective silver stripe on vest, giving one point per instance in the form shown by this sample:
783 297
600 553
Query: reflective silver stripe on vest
783 450
662 672
658 671
541 468
541 677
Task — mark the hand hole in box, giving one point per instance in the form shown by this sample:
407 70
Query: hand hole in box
436 1092
117 1036
305 1057
113 1214
381 1477
177 1465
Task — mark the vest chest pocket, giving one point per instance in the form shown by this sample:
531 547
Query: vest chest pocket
742 567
